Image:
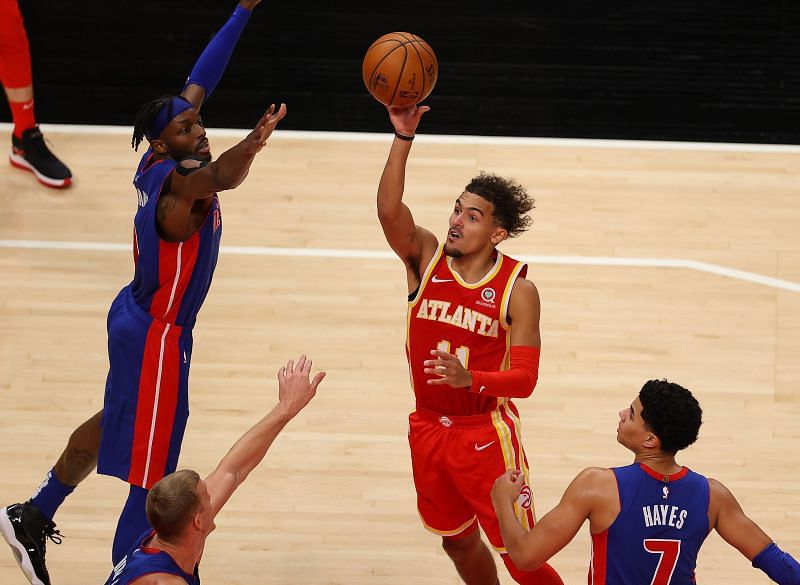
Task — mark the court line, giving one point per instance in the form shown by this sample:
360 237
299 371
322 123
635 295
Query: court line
447 139
387 254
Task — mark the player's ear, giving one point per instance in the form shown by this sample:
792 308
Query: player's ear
499 235
159 146
652 441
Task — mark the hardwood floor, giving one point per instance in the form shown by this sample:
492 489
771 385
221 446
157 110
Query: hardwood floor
334 500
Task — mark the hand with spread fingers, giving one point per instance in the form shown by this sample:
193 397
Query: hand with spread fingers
257 139
450 370
295 390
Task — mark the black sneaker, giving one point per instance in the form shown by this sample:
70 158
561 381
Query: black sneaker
25 529
31 153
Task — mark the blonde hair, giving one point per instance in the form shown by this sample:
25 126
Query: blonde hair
172 504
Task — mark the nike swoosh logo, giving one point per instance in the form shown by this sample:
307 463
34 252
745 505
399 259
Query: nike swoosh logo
434 279
27 106
481 389
482 447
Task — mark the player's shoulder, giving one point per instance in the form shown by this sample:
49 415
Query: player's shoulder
428 250
593 487
524 290
593 481
429 243
524 284
721 501
595 475
718 492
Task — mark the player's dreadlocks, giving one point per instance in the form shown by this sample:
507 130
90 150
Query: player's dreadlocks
144 119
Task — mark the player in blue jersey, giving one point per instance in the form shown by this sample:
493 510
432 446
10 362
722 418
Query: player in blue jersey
177 228
182 507
648 520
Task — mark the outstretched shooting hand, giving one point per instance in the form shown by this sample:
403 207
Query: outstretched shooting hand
406 120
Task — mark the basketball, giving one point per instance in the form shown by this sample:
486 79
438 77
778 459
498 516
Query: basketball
400 69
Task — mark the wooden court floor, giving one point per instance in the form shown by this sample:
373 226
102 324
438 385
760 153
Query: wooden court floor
333 503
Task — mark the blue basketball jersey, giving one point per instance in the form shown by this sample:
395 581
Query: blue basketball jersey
171 279
655 539
142 560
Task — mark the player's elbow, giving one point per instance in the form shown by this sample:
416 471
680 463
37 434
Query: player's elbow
387 212
528 387
529 391
526 560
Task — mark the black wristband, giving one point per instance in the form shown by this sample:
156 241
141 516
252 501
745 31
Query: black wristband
403 136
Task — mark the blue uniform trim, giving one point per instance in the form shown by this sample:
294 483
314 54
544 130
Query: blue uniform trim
778 565
141 561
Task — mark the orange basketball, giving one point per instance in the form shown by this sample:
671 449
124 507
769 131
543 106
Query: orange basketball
400 69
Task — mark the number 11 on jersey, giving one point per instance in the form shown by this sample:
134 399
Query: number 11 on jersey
462 353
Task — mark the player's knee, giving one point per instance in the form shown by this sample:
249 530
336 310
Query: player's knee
87 435
459 548
78 458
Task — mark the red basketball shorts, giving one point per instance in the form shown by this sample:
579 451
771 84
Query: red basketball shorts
456 460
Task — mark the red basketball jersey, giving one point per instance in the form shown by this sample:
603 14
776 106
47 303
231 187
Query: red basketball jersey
469 320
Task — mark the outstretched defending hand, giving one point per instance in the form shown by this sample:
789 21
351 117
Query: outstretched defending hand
507 487
294 389
449 368
257 139
406 120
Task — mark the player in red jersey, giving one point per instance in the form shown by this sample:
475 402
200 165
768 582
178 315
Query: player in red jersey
473 344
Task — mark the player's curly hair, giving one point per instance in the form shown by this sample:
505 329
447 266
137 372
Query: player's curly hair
510 199
144 118
672 413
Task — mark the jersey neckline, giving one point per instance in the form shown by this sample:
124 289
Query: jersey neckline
498 262
665 478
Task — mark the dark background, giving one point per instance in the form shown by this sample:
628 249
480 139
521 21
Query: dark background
723 70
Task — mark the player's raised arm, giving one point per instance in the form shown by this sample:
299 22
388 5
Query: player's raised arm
214 59
295 391
409 241
195 180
